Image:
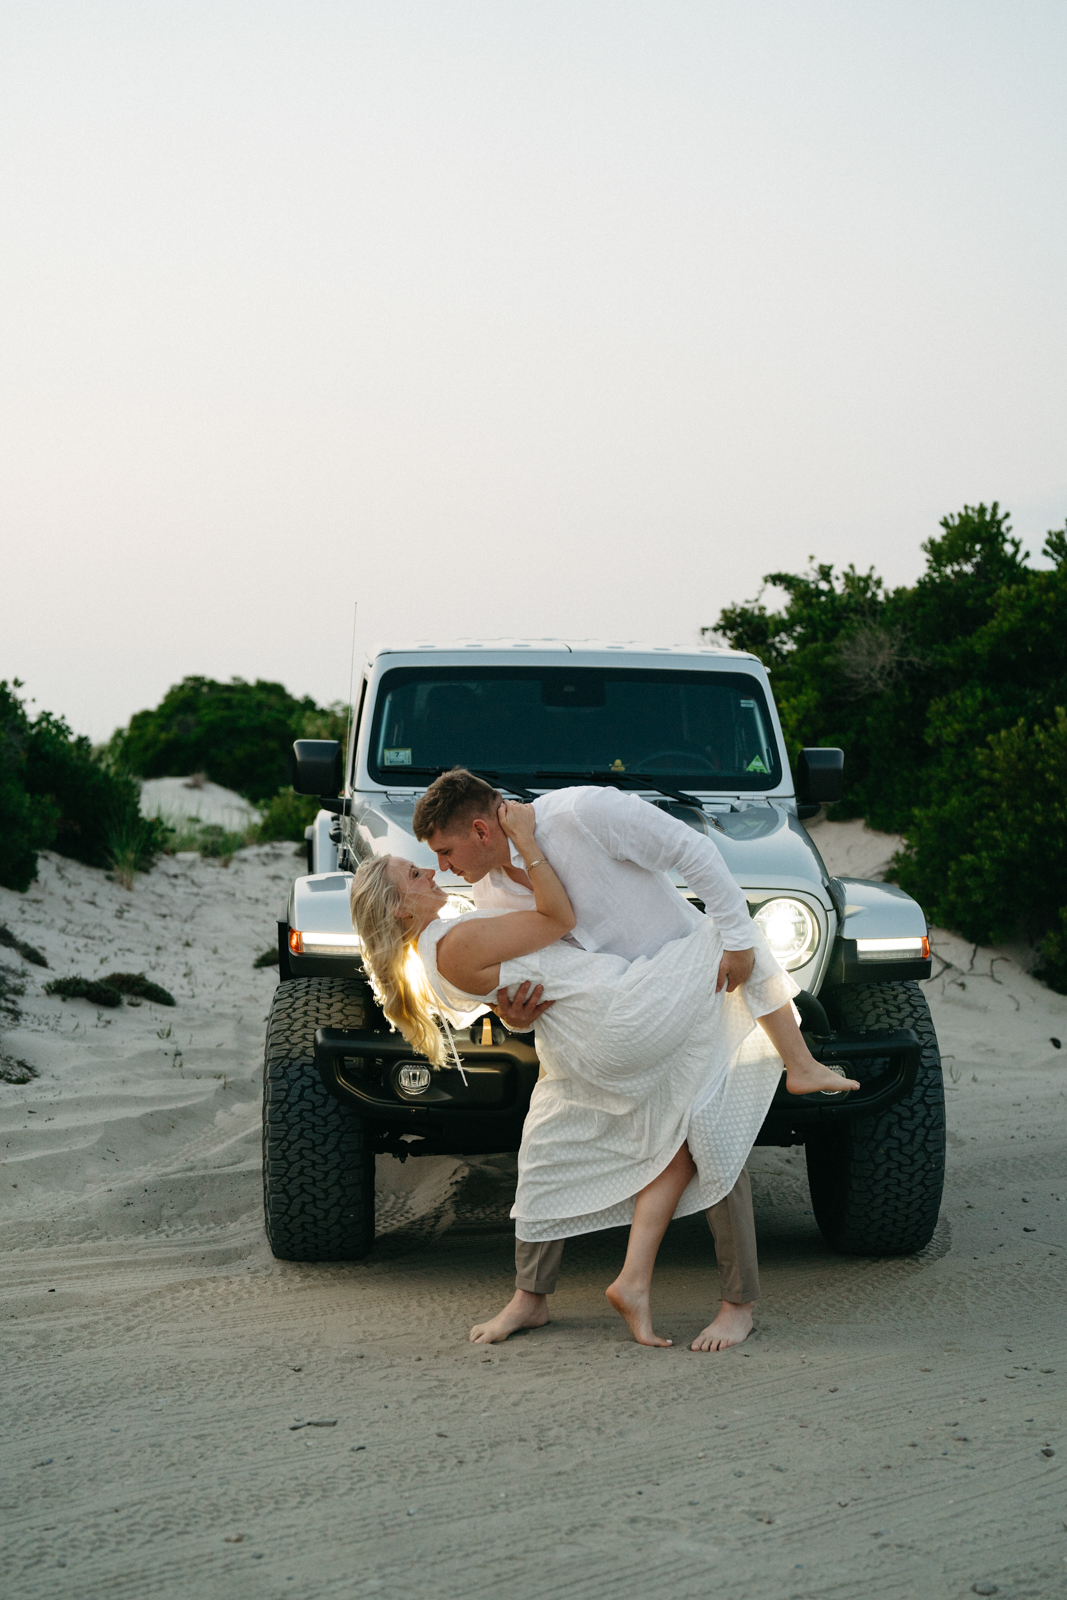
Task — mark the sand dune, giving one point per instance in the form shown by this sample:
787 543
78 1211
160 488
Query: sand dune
149 1115
196 800
884 1434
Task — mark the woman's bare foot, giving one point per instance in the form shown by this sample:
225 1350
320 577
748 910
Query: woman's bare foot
523 1310
810 1076
635 1310
732 1326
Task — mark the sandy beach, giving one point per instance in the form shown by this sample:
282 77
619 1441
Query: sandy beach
186 1416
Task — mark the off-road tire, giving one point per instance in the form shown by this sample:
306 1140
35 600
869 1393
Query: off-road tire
876 1181
318 1162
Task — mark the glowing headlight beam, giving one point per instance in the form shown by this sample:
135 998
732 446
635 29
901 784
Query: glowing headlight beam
790 930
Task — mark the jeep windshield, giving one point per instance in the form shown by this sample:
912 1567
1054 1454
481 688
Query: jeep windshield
548 725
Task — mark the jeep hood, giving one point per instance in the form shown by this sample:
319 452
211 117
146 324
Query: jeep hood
765 846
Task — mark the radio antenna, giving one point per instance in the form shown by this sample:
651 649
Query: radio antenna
351 682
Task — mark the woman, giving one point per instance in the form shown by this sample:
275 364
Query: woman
650 1097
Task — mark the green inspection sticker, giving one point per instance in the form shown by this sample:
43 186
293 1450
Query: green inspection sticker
396 758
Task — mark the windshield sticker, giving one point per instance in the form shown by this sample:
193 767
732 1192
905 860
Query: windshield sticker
756 765
396 758
750 705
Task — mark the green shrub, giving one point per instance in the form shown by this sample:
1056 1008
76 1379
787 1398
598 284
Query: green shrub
57 793
208 839
140 987
27 951
109 990
11 986
286 816
946 698
1052 962
990 854
13 1070
239 734
94 802
217 844
133 844
27 823
100 994
325 722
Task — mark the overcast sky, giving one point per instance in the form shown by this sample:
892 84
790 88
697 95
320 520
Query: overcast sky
547 318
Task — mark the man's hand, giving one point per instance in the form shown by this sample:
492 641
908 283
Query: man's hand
734 968
521 1013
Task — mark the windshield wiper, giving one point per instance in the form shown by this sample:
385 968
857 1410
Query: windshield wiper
495 778
500 782
645 780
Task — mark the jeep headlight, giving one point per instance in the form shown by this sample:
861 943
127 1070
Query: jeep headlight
790 930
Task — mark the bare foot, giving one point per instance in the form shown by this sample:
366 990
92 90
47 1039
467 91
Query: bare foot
636 1312
808 1077
523 1310
732 1326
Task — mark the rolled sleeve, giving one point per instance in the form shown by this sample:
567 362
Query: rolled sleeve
632 830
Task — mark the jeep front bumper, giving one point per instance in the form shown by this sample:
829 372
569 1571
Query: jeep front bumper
484 1115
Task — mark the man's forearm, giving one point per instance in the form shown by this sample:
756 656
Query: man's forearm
710 879
635 831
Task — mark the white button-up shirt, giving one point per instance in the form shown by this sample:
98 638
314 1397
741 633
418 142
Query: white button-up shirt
612 853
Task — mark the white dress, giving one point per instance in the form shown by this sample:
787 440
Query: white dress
636 1057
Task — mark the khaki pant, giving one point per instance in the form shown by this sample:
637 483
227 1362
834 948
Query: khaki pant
732 1227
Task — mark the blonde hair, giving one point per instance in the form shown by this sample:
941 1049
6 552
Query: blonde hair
397 975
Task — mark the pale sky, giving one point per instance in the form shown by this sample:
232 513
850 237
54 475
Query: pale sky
558 318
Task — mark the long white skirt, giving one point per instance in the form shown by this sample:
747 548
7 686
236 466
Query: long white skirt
638 1057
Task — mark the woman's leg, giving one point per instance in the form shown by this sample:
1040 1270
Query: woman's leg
803 1074
653 1209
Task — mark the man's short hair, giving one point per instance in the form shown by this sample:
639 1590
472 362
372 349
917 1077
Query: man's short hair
454 800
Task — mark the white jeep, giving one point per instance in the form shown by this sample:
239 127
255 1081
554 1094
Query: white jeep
692 730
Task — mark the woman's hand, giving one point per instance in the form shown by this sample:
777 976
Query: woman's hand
518 822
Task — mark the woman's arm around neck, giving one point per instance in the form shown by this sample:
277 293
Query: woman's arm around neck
469 954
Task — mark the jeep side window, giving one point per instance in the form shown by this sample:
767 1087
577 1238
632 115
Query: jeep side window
354 736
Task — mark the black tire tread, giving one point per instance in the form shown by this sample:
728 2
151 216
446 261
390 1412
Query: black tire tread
318 1163
876 1185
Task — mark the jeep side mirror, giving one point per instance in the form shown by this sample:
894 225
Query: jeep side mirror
317 767
820 777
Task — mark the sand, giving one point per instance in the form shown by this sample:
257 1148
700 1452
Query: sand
194 799
886 1432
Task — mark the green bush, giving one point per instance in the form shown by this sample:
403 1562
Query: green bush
1052 965
946 697
91 799
57 793
216 843
27 823
12 984
12 1070
78 988
109 990
238 734
28 952
286 816
133 842
140 987
992 854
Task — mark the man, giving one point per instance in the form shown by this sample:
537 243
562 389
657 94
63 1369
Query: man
612 852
